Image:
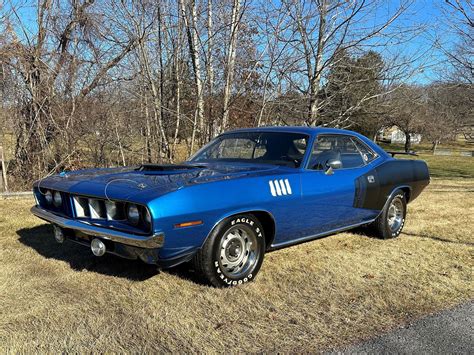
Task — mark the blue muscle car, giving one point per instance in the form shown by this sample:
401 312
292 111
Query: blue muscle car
246 192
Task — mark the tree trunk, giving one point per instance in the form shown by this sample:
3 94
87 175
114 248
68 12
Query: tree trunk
210 69
230 64
178 86
147 128
167 148
157 109
407 142
315 80
191 30
119 141
4 170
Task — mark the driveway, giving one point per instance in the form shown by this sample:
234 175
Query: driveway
447 332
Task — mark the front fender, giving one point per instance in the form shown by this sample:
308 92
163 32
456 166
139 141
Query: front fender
211 203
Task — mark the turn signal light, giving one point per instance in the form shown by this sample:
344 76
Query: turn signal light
188 224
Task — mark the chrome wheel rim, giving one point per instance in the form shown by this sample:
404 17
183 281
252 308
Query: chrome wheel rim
238 251
395 214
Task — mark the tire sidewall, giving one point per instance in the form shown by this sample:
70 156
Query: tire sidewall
393 234
254 225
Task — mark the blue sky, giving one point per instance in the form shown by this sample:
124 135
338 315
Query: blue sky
429 59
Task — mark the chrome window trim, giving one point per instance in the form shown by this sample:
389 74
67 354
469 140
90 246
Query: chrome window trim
356 139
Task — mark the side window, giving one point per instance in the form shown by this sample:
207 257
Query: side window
325 148
349 150
367 154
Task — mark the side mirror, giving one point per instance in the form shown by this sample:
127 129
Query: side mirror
333 164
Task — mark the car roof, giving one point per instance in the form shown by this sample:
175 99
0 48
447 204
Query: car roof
293 129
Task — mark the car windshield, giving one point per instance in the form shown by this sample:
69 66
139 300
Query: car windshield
277 148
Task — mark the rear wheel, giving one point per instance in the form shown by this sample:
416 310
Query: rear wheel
233 253
392 219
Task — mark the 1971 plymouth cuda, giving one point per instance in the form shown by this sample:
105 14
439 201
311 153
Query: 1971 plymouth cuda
246 192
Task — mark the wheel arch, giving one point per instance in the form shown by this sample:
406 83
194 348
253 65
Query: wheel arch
264 217
268 224
406 191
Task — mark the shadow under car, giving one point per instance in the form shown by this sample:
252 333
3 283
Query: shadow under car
41 239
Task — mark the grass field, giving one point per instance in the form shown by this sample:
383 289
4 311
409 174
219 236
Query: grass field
449 167
311 297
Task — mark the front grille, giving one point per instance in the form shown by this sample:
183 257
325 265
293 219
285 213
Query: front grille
93 208
108 213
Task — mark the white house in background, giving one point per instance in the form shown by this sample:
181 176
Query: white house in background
399 137
395 135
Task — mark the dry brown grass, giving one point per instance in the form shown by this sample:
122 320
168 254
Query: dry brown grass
314 296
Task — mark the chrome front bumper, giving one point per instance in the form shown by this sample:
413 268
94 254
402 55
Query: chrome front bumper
149 242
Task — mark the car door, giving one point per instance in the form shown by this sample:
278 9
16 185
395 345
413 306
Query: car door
328 192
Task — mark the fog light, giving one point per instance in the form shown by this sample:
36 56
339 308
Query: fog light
97 247
58 234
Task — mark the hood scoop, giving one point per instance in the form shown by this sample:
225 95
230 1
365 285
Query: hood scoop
167 168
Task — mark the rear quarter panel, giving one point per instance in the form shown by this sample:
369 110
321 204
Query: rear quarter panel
374 187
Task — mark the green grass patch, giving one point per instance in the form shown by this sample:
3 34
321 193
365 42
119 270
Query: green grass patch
451 167
441 166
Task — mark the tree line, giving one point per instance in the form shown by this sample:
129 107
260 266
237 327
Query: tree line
108 82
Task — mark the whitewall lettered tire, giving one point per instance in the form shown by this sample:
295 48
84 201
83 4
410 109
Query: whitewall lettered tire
233 253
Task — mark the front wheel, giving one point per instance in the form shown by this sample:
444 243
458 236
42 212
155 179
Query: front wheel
391 220
233 253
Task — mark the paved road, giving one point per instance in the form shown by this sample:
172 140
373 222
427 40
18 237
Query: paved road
448 332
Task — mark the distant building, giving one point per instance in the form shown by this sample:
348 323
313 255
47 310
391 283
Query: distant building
395 135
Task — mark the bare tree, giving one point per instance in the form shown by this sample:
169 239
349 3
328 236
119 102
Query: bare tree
210 67
98 83
460 24
408 111
66 47
230 63
190 22
318 31
455 30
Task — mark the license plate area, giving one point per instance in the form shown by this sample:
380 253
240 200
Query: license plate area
81 237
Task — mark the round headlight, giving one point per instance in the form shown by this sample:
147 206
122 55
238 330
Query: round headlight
57 199
133 214
49 197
